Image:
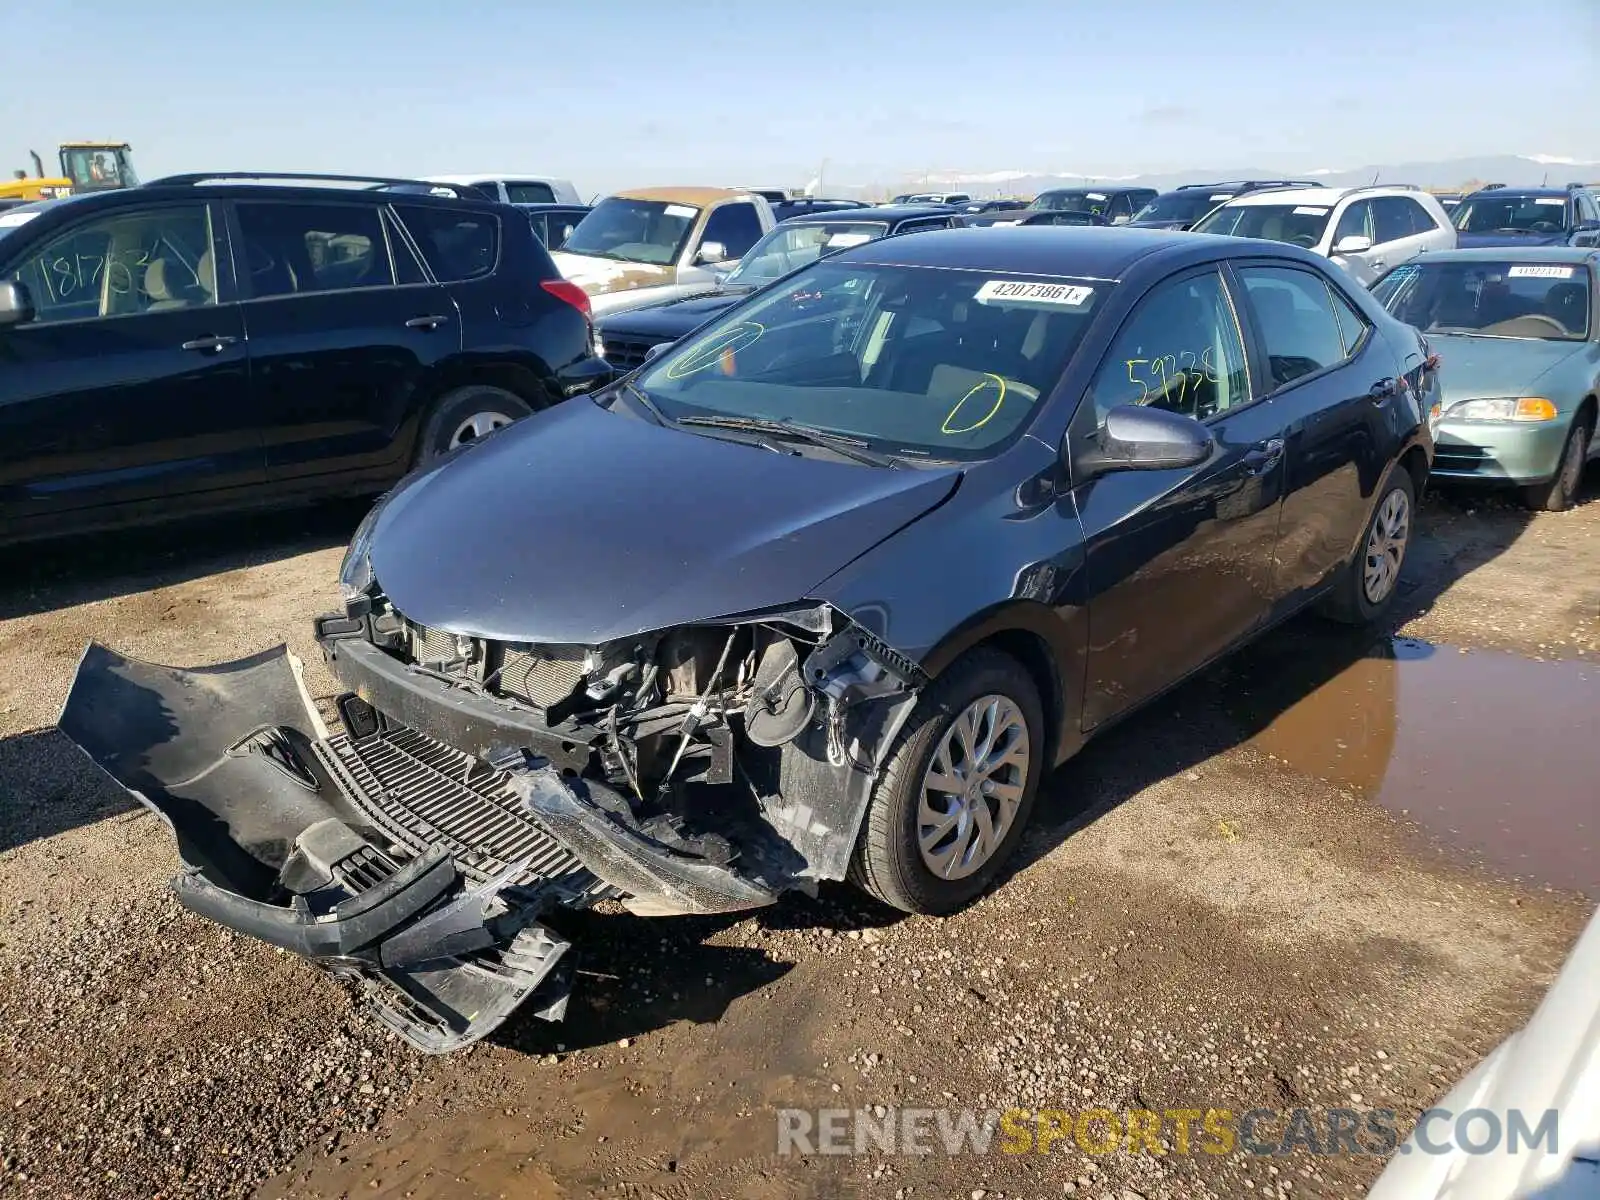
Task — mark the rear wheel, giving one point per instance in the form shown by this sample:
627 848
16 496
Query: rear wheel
465 415
951 805
1562 490
1367 586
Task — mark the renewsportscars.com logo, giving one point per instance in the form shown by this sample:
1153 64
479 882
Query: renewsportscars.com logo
1178 1131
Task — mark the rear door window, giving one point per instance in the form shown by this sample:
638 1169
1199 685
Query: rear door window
1295 317
296 248
458 244
528 191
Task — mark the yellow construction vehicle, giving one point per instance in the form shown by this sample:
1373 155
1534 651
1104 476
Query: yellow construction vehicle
85 167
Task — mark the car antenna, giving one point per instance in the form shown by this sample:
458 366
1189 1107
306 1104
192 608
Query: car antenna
1375 175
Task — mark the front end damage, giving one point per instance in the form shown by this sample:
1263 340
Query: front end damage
474 788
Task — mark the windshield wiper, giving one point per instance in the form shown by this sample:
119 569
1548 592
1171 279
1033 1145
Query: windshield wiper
839 443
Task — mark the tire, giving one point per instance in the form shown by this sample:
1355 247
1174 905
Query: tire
889 862
1352 602
450 423
1558 494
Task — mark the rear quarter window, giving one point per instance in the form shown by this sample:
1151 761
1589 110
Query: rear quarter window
457 244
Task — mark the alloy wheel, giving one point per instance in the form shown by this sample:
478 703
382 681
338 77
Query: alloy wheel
476 426
973 787
1386 546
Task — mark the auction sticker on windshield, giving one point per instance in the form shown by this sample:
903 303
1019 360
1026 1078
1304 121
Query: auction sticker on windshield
1063 295
839 241
1540 273
679 210
12 220
1307 210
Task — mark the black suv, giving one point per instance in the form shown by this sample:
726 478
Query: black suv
207 342
1116 204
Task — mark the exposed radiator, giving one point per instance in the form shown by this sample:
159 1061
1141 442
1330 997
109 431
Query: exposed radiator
422 793
545 676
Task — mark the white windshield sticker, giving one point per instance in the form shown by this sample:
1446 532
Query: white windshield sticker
840 240
680 210
1097 195
1553 201
10 220
1540 272
1308 210
1011 222
1223 196
1012 291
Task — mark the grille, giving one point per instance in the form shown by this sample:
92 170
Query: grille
542 677
422 793
625 353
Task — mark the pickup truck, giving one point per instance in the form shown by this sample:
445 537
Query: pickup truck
650 244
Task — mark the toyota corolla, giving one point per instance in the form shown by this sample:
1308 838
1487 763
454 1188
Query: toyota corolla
824 591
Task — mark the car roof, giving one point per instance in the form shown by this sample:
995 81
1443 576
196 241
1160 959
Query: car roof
1107 190
1097 252
1526 191
233 189
1529 254
877 212
491 176
700 197
1322 196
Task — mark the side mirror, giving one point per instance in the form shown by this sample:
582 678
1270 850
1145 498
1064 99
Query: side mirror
16 306
657 349
1586 227
1136 438
1353 243
711 253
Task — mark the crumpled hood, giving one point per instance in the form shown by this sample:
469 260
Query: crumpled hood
579 526
1479 368
599 276
670 318
1467 241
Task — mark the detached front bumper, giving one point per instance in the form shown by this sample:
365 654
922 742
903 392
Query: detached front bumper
416 852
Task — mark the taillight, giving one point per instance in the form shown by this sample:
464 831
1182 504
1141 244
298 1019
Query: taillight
569 292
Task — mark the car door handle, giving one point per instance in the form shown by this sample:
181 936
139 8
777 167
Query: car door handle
210 345
427 323
1263 456
1383 389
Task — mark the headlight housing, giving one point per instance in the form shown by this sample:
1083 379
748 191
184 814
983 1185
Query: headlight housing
355 572
1503 408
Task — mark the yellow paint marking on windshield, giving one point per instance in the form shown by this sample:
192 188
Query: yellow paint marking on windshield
999 399
717 350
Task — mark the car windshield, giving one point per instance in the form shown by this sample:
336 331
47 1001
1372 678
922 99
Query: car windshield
1548 301
1072 200
1500 212
918 361
1188 205
642 231
790 247
1297 224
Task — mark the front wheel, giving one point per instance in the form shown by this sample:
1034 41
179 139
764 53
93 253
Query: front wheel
464 416
1558 494
950 807
1367 586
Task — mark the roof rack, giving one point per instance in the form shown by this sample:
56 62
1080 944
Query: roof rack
372 181
1489 187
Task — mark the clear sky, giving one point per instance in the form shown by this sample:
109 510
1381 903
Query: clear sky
617 92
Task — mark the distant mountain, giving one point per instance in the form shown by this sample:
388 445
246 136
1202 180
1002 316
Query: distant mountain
1525 170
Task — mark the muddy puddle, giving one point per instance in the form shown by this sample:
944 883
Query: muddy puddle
1490 753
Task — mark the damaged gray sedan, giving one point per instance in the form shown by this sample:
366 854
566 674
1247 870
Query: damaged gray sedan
819 593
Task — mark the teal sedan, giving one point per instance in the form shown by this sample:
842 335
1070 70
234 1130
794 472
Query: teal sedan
1519 343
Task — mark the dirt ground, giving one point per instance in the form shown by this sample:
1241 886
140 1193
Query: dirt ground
1243 897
